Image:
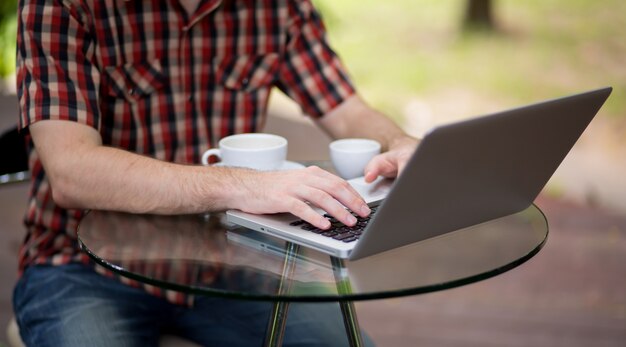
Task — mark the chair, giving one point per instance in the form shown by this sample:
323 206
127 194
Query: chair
13 157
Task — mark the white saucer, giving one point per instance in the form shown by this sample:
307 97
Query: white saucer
287 165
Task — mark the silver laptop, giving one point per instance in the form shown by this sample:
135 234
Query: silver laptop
461 174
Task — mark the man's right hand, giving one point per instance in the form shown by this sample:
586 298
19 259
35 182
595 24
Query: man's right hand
297 192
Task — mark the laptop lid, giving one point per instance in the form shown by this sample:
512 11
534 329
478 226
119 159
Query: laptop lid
480 169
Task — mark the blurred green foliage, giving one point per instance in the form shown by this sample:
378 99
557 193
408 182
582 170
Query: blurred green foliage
8 30
402 50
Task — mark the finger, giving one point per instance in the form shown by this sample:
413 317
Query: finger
401 167
370 176
327 203
341 191
380 165
329 179
302 210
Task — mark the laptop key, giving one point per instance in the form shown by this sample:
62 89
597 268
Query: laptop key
350 239
342 236
344 229
338 230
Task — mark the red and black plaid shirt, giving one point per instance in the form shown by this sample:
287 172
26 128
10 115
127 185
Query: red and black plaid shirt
157 81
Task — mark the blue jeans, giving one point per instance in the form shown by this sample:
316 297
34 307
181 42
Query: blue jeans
72 305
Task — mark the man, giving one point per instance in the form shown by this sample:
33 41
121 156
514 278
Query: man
120 98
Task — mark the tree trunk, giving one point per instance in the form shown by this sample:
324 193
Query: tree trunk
479 15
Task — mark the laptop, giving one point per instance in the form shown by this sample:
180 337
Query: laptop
461 174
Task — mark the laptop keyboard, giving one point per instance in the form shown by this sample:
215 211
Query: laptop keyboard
338 230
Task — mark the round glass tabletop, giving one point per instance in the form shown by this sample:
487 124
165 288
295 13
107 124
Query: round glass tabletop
200 254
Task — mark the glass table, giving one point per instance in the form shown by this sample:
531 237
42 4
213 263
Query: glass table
203 255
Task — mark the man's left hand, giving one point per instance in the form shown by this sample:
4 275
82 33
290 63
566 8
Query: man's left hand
391 163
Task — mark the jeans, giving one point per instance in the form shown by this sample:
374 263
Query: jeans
72 305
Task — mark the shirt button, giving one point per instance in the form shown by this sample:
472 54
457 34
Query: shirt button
245 81
189 97
132 91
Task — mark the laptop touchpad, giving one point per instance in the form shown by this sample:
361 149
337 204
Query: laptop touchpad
374 191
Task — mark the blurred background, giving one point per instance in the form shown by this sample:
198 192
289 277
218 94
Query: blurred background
429 62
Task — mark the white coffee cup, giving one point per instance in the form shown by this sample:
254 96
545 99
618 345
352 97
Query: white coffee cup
255 151
350 156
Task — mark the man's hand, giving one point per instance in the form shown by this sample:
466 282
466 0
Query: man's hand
391 163
354 118
297 192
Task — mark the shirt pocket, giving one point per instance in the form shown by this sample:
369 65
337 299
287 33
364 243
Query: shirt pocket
134 81
246 73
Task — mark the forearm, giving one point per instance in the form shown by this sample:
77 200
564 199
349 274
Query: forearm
106 178
87 175
138 184
354 118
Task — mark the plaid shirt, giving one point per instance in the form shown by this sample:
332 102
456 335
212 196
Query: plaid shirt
159 82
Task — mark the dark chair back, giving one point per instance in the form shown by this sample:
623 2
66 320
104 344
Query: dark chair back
13 152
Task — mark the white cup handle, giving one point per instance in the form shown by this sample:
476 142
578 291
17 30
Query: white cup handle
209 153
